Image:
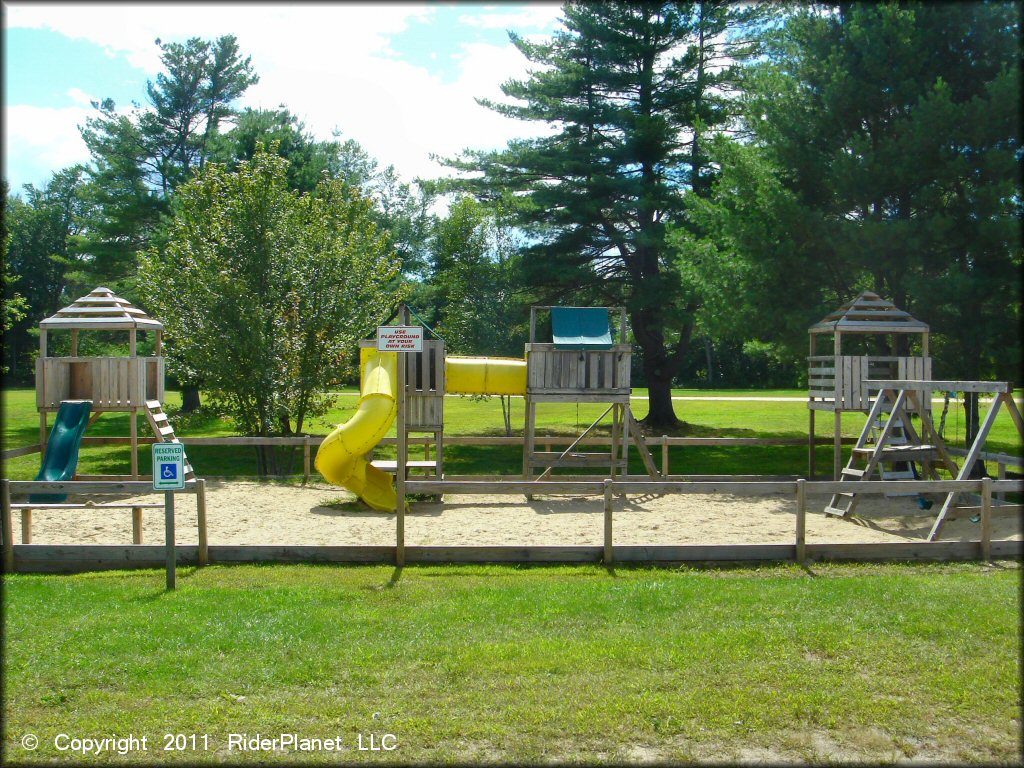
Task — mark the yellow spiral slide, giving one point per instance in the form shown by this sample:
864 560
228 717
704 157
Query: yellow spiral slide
341 458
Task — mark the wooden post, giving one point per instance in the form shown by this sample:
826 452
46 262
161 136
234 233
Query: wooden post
74 342
801 520
169 539
1001 474
608 549
136 525
837 455
664 456
986 519
204 549
531 421
133 430
837 402
305 460
811 468
403 449
625 440
7 525
26 526
616 420
42 432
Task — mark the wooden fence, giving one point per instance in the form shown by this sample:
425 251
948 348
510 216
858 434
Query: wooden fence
63 558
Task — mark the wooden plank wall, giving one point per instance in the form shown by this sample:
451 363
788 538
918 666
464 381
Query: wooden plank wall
424 373
595 371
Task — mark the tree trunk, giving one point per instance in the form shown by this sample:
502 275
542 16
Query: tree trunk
659 398
189 398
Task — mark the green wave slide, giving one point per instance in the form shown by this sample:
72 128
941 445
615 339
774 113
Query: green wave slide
61 458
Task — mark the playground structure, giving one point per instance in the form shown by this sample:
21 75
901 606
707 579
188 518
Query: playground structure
894 406
837 381
580 364
79 389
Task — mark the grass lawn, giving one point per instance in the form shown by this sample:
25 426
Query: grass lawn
472 416
567 664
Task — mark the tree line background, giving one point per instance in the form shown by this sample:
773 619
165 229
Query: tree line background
728 172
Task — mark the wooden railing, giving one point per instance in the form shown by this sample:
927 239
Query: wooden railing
85 557
112 383
838 382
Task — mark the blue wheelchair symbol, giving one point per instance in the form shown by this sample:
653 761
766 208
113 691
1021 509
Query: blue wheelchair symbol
169 471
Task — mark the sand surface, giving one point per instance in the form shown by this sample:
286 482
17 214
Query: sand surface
248 512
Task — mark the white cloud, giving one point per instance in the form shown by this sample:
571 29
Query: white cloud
332 65
80 97
40 140
536 16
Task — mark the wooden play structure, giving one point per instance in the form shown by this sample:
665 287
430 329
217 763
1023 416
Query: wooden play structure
885 337
582 365
126 383
896 403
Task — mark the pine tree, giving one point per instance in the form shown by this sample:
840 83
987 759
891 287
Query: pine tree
629 90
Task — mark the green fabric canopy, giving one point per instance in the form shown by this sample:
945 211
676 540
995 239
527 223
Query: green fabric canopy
580 328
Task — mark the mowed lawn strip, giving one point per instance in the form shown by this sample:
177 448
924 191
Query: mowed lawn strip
525 664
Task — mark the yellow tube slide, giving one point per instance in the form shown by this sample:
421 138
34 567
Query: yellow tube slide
485 376
341 457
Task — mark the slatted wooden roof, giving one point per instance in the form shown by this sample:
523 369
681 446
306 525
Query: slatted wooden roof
101 310
869 313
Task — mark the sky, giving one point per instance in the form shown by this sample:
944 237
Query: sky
399 78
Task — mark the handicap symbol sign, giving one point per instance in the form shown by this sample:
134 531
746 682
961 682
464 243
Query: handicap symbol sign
168 467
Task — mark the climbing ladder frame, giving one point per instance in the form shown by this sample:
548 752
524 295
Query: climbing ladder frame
901 398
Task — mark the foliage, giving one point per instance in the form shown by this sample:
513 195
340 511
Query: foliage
140 158
627 90
265 292
39 234
477 301
876 163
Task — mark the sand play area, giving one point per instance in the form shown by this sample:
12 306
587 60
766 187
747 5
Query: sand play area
261 513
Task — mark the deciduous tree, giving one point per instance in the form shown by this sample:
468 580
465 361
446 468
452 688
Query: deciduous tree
266 291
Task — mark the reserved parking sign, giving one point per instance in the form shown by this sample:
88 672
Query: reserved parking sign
168 466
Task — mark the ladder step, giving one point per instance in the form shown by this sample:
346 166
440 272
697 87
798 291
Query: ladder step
853 472
836 511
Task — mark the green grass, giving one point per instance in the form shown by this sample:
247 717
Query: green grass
520 665
469 416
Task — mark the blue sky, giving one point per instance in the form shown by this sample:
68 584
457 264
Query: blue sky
400 79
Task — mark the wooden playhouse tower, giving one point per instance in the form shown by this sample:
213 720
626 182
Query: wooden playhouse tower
892 345
581 365
129 383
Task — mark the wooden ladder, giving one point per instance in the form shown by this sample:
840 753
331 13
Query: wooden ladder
162 428
842 503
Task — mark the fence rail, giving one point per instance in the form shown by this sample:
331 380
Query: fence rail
88 557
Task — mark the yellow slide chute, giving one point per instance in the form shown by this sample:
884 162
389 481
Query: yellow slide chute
341 458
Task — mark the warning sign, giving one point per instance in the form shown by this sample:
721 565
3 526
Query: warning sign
400 338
